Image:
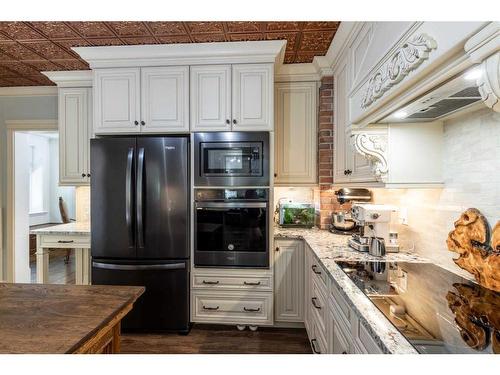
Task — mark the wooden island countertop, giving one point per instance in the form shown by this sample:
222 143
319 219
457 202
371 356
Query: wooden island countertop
42 318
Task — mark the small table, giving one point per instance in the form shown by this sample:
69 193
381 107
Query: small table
60 319
75 235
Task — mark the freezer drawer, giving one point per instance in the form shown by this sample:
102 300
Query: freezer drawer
165 304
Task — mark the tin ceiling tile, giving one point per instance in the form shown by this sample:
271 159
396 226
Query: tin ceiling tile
105 41
245 37
129 28
167 28
318 25
283 26
54 30
317 41
304 57
244 27
19 68
48 50
73 64
291 39
18 51
92 29
42 65
19 31
205 27
174 39
206 38
140 40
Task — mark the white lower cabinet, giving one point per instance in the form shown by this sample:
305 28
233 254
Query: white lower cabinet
232 296
289 281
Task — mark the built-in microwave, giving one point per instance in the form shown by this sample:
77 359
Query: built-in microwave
231 159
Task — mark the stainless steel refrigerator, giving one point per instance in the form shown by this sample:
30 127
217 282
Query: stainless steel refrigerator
140 225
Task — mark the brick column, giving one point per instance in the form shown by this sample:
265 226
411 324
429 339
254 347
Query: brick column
325 152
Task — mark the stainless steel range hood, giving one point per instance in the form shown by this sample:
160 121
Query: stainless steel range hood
454 95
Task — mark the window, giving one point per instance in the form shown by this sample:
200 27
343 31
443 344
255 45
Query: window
36 182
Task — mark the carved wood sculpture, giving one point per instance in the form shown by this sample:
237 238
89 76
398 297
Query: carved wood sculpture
471 240
477 314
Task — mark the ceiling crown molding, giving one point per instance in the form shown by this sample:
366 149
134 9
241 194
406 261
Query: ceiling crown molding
484 43
269 51
73 78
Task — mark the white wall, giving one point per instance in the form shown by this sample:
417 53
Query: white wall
471 168
19 108
42 160
22 160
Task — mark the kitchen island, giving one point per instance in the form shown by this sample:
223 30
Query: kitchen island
59 319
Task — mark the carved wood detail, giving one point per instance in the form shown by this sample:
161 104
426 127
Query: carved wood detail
489 82
407 58
471 240
373 146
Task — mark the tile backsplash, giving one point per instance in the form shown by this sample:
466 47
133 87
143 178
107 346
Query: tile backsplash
471 168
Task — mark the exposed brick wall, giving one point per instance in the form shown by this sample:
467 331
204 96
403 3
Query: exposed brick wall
325 152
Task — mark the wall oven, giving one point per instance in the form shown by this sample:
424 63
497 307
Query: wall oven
231 159
231 228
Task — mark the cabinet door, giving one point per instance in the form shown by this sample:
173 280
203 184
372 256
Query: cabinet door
337 342
253 97
210 98
342 149
165 99
289 281
74 134
116 100
296 134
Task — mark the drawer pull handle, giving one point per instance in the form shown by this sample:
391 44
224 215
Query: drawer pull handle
210 308
252 284
65 241
314 301
344 352
210 282
251 310
314 268
313 345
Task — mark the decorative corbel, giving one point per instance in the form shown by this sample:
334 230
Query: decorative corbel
373 146
489 82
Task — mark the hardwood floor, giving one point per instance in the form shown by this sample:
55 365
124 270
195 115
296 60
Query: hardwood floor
213 339
59 273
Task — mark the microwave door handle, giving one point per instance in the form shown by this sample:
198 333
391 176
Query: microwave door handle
128 196
140 198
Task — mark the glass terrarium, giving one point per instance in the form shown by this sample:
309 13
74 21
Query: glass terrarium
292 214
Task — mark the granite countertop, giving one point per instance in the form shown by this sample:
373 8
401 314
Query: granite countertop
75 228
328 248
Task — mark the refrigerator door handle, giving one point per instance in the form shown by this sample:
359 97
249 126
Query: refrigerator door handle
128 196
139 267
140 197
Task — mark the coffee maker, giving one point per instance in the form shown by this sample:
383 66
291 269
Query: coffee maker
374 222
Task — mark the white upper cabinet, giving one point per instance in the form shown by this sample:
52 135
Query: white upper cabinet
295 161
165 99
211 98
253 97
75 124
117 100
232 97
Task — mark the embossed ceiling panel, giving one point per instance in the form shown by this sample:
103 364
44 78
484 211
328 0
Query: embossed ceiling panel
27 48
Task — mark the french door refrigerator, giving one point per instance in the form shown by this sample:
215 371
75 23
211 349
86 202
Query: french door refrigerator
140 225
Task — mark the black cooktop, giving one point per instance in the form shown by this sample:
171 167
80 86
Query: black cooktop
436 310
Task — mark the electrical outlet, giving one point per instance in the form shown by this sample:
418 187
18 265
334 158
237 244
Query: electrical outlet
403 215
403 281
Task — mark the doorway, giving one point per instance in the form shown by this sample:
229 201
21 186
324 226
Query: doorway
33 198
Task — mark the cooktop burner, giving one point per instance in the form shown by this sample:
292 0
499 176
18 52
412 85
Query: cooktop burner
436 310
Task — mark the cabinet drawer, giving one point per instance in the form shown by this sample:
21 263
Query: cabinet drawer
232 308
232 282
60 241
318 273
363 340
340 342
319 307
317 340
342 309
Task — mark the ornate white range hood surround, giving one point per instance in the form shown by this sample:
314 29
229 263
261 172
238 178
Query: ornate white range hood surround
483 48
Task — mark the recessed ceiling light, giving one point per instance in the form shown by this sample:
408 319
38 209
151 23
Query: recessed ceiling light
473 74
401 114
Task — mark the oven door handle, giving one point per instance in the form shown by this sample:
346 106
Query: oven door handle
216 205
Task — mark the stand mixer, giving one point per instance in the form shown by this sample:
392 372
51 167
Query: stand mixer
374 221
